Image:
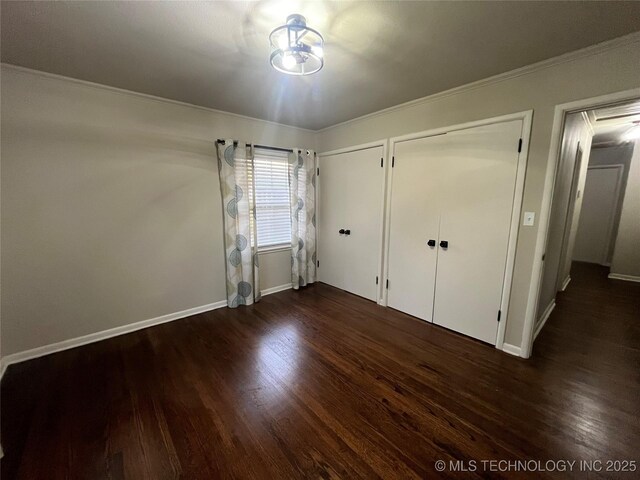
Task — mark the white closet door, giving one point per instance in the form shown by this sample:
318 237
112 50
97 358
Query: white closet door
332 196
477 195
419 168
364 184
351 198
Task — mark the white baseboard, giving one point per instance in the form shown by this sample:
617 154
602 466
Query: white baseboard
104 334
279 288
565 283
114 332
627 278
545 316
511 349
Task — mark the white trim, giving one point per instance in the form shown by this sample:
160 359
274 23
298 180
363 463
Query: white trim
526 117
534 67
565 284
552 162
355 148
516 213
511 349
104 334
545 317
117 331
588 122
463 126
626 278
279 288
147 96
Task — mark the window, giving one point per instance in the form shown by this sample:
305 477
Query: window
273 211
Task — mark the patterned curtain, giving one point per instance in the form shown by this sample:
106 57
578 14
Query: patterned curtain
235 166
302 186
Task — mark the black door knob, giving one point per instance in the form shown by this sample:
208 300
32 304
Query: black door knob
444 244
341 231
431 243
347 232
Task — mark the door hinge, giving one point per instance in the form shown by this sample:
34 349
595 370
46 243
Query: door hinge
519 145
499 314
318 263
543 255
393 161
381 162
376 280
318 171
387 286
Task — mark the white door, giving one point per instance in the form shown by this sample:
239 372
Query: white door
477 205
351 199
332 196
419 168
599 206
457 188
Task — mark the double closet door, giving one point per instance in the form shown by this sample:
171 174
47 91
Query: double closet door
452 201
350 220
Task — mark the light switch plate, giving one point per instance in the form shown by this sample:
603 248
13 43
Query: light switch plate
529 219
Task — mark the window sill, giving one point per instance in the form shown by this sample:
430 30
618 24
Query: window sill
274 248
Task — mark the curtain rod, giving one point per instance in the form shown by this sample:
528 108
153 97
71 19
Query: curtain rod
222 142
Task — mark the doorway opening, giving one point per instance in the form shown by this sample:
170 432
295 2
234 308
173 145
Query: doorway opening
594 219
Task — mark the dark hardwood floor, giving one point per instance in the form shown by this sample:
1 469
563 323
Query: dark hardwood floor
323 384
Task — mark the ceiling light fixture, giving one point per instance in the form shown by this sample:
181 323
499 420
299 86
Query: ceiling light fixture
295 48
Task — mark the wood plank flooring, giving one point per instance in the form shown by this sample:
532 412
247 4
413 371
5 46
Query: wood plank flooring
323 384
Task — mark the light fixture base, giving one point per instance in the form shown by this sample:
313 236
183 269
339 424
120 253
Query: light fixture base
296 49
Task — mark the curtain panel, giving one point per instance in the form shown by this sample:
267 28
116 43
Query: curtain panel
302 187
235 167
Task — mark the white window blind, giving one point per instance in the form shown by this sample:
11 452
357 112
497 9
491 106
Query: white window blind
273 211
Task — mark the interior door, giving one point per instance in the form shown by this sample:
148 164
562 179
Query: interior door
332 196
599 206
477 195
419 168
363 212
351 198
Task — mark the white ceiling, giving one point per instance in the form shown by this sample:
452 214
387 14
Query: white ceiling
378 54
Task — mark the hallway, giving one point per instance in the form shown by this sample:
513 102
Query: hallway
590 346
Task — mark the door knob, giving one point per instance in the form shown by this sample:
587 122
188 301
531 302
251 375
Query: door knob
444 244
431 243
347 232
341 231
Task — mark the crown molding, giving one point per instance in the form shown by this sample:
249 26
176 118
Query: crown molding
518 72
123 91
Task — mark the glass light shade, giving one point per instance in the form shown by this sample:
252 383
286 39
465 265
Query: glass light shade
295 48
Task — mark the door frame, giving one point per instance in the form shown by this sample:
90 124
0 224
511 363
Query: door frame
561 283
526 117
560 113
620 168
385 166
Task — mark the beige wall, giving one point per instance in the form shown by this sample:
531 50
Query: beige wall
111 209
595 74
626 254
